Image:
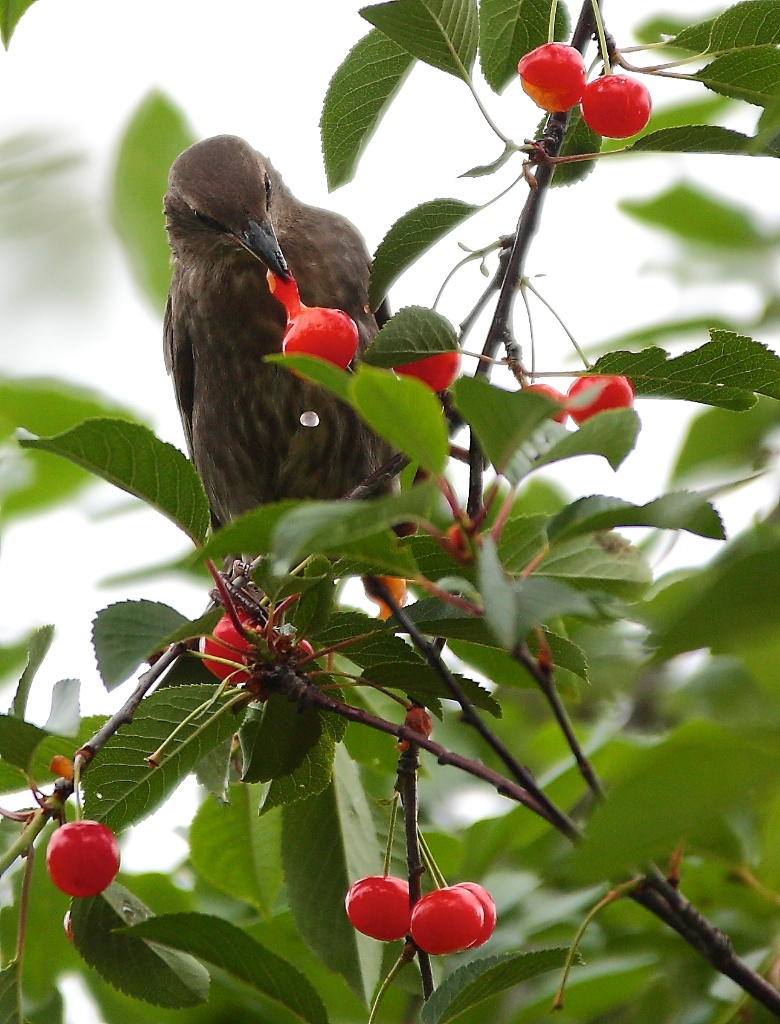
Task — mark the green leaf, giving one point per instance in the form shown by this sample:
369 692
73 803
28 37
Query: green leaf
358 96
750 23
696 217
691 114
682 510
132 458
504 670
671 792
276 738
251 531
751 74
37 648
497 595
600 561
502 420
442 33
422 683
11 12
236 850
315 771
64 717
696 138
723 372
508 29
579 139
155 136
482 170
413 333
724 606
319 370
410 236
325 527
225 946
10 992
329 841
720 441
481 979
120 788
145 970
127 633
44 406
522 538
611 434
405 412
18 740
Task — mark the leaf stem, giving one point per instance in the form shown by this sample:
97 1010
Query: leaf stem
25 839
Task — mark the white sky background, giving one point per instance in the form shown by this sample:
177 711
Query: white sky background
260 69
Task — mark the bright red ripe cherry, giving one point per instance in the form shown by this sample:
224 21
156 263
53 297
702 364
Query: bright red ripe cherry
554 396
447 920
606 393
226 640
616 106
488 908
553 76
378 906
438 371
82 858
327 333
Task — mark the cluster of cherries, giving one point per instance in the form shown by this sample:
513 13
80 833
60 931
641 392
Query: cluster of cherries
332 335
226 647
554 76
587 396
447 920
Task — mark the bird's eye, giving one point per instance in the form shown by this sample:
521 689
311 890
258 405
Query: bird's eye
208 221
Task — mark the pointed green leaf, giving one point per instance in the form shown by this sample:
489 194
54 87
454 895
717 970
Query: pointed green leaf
405 412
504 670
502 420
315 771
325 526
64 718
599 561
236 850
225 946
11 12
18 740
723 372
749 23
682 510
497 595
481 979
328 842
411 236
10 992
751 74
155 136
132 458
127 633
721 442
276 738
442 33
120 788
611 434
319 370
482 170
422 683
508 29
413 333
697 138
37 648
145 970
358 95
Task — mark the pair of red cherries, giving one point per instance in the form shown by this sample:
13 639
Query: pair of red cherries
447 920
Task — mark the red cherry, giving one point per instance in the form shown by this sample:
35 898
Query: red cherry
378 906
554 396
438 371
286 292
305 648
82 858
553 76
606 393
616 106
226 640
447 920
327 333
488 908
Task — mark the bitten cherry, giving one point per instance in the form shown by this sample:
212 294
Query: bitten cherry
488 908
554 396
378 906
286 292
553 76
616 106
447 920
606 393
329 334
228 644
437 371
82 858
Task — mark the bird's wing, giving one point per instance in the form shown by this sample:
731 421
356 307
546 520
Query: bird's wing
180 365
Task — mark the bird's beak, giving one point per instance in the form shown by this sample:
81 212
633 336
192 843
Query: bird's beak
260 240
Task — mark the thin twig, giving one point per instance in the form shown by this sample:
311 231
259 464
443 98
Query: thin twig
406 784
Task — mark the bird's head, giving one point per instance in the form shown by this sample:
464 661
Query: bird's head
221 192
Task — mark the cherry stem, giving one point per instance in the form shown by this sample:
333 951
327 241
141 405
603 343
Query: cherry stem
391 833
24 904
227 601
400 963
526 283
612 896
602 36
551 25
154 760
430 863
77 766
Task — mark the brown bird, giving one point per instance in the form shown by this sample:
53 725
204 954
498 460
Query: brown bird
250 424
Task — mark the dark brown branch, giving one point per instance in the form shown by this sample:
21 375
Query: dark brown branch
408 765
